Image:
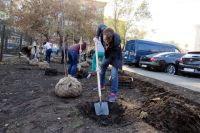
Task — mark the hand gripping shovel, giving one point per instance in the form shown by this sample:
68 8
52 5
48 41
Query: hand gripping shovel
101 108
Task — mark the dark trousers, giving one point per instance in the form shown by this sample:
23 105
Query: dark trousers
48 55
73 59
62 55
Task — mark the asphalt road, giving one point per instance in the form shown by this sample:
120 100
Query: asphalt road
192 83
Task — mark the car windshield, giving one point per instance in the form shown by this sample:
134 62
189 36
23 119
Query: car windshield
129 46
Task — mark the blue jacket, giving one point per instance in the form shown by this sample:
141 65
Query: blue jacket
99 33
114 53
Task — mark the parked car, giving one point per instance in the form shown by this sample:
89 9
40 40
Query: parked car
190 63
134 49
12 46
165 61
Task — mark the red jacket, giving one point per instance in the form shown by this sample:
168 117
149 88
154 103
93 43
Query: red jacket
76 47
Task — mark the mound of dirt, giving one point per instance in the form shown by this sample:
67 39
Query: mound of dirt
172 114
167 111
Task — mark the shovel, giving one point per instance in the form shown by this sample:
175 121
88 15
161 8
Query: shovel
101 108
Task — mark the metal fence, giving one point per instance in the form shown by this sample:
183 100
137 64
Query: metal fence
12 41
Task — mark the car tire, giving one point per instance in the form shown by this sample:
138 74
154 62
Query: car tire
149 68
137 65
130 64
170 69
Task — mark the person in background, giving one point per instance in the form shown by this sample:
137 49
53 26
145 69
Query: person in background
66 50
48 49
113 56
41 52
100 52
34 49
99 33
27 51
73 55
100 42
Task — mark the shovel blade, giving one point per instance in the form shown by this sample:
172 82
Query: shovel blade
101 108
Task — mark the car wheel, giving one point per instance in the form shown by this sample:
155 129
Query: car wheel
170 69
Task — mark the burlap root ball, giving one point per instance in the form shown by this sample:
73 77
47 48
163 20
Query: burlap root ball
68 87
33 62
43 65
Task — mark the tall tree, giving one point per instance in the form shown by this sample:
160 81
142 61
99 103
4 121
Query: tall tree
2 10
81 19
126 13
2 5
35 16
44 16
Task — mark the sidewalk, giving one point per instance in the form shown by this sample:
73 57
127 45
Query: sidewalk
186 82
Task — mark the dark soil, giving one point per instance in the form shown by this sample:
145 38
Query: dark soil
29 105
116 112
168 111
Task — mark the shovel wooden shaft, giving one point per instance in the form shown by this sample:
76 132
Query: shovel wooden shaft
98 71
101 108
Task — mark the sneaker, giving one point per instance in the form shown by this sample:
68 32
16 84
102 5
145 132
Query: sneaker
102 88
112 97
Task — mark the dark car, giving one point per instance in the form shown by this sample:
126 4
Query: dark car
12 48
165 61
134 49
190 63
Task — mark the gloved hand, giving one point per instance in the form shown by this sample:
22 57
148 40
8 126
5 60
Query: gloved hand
95 39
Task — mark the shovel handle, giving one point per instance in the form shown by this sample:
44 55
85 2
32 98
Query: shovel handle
98 71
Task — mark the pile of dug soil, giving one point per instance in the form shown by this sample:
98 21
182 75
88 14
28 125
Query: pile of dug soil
164 110
167 111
